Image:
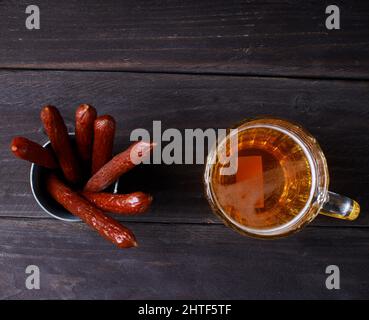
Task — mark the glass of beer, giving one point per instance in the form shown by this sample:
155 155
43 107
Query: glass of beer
279 182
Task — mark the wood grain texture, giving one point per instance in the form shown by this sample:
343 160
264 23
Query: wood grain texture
278 37
179 262
336 112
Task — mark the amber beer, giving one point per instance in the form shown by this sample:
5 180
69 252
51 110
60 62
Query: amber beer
280 182
272 183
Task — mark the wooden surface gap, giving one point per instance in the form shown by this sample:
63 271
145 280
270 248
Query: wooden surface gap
189 73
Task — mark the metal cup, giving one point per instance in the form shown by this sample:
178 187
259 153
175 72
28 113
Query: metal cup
37 179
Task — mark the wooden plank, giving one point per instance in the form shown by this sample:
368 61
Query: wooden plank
278 37
180 262
336 112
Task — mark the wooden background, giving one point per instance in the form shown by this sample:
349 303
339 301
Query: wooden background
190 64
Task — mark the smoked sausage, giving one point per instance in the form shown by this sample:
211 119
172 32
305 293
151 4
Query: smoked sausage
104 131
106 226
120 164
127 204
31 151
84 128
57 132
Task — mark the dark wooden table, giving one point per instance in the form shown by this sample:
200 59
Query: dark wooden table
190 64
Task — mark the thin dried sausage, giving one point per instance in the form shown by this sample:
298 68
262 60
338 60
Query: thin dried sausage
106 226
104 131
57 132
120 164
31 151
127 204
85 117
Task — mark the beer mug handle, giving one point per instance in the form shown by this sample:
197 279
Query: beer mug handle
340 207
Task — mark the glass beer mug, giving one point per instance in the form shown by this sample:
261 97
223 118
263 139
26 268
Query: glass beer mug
280 182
